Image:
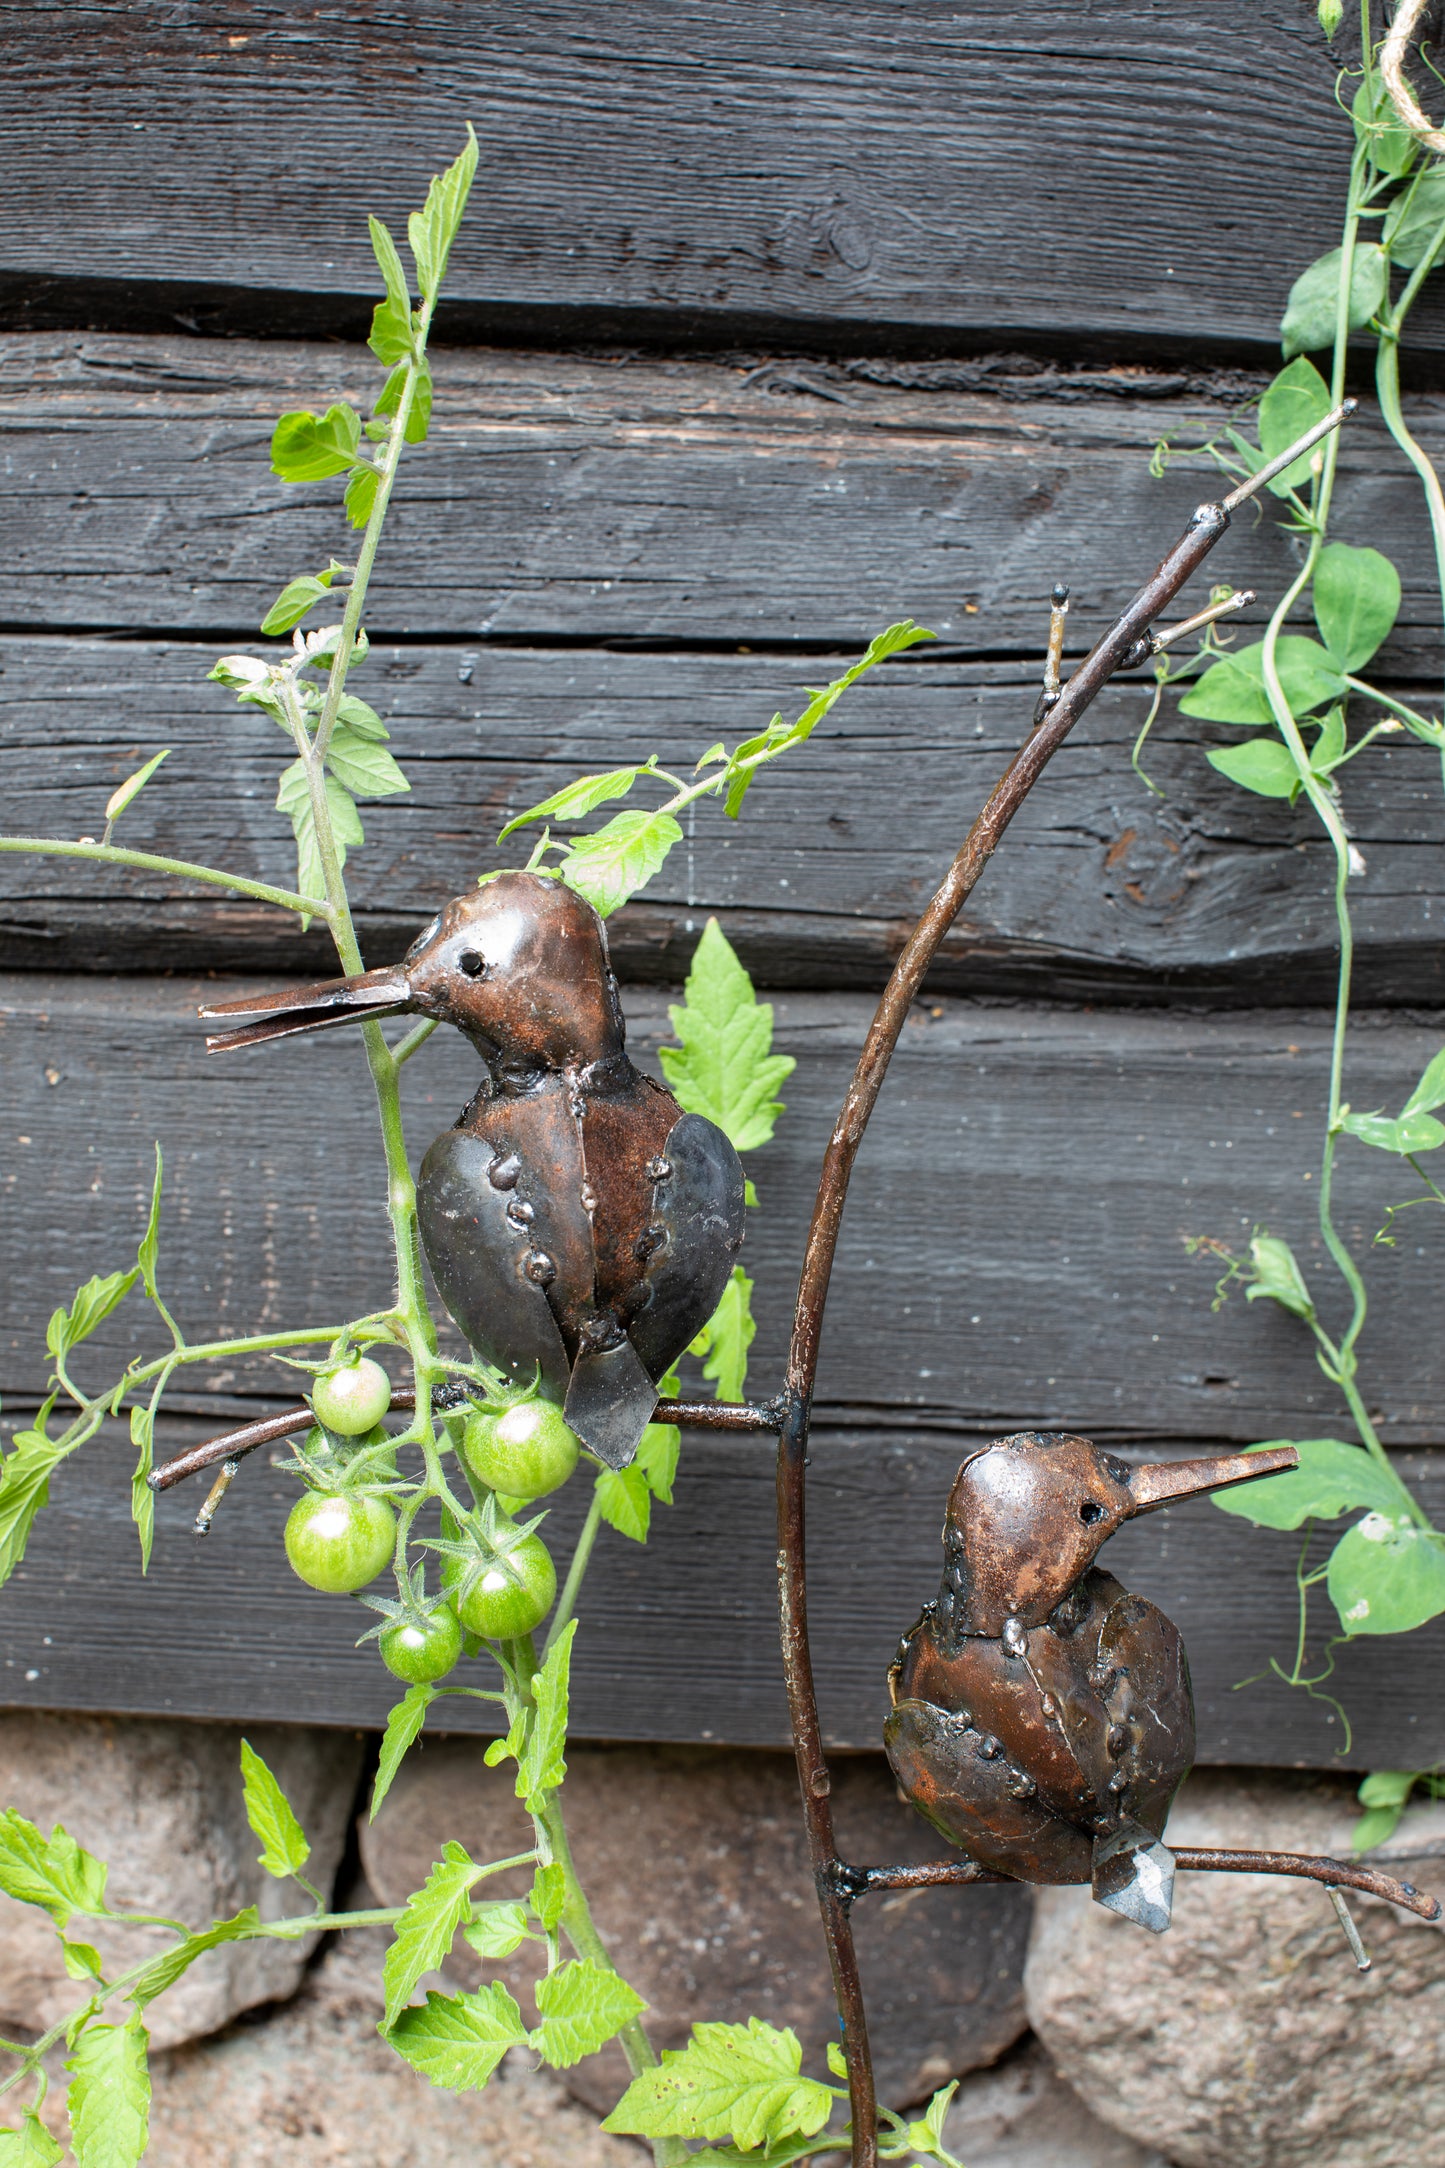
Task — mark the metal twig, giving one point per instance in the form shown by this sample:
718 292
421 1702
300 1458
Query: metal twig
1351 1933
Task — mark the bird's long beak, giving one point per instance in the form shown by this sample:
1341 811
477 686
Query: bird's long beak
1162 1482
310 1008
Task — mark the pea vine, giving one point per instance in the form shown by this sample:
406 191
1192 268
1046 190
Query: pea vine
441 1495
1301 696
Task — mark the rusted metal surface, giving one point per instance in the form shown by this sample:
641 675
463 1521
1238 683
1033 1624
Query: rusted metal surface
580 1226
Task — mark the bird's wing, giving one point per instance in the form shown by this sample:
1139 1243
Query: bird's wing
698 1207
954 1777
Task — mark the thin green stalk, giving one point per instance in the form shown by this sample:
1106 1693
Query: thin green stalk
285 899
572 1586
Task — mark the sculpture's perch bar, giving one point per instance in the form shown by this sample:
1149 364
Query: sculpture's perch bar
1307 1866
736 1415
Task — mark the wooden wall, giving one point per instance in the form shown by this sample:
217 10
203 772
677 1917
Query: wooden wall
769 324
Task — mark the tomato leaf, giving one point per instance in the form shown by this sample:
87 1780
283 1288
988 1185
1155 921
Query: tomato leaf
745 760
1332 1478
583 2006
727 1336
548 1897
1356 599
133 785
542 1764
293 798
457 2041
402 1728
575 800
110 2095
723 1066
52 1872
363 766
432 230
610 865
31 2146
165 1970
360 498
284 1850
142 1497
624 1499
150 1242
497 1929
1387 1576
1309 317
657 1457
426 1929
91 1305
741 2082
391 326
24 1489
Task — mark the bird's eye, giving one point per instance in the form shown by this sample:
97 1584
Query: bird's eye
472 962
1091 1511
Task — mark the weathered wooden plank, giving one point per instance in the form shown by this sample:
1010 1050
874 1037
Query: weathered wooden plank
1115 173
566 498
678 1641
1100 889
1013 1255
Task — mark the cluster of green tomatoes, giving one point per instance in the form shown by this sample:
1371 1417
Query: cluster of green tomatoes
498 1580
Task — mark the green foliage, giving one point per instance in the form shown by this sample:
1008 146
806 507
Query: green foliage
610 866
1387 1575
1312 310
1414 1129
307 447
432 230
403 1726
165 1970
1384 1795
741 2082
92 1304
127 792
1390 148
300 595
542 1764
923 2138
1232 690
583 2006
53 1872
723 1066
497 1929
457 2041
576 800
31 2146
624 1497
1356 596
1414 228
1277 1276
727 1336
1297 399
24 1488
284 1850
1332 1479
1262 765
427 1927
110 2094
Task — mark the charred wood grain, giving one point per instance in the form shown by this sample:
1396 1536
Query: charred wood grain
935 173
679 1641
1013 1254
687 504
1104 891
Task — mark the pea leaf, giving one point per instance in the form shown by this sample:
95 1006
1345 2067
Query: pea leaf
391 326
624 1498
1411 1133
575 800
403 1726
110 2096
611 865
1309 317
1332 1478
31 2146
92 1304
542 1764
362 766
1297 399
52 1872
293 798
1415 222
1376 1826
1329 747
457 2041
745 760
1262 765
432 230
284 1850
741 2082
165 1970
133 785
1386 1576
1356 600
425 1931
583 2006
1390 147
1278 1276
308 447
727 1336
1232 689
723 1066
24 1489
497 1929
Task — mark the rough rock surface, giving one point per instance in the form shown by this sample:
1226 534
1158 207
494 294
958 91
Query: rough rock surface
1022 2115
311 2085
161 1803
695 1863
1245 2037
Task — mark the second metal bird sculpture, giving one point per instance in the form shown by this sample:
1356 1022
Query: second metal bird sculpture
1042 1716
578 1224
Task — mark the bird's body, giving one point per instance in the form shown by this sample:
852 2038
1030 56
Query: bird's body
1042 1717
578 1223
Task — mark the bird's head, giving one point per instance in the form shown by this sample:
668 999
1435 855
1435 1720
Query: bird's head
519 964
1027 1516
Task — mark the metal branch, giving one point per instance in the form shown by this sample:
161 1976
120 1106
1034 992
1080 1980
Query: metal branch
830 1873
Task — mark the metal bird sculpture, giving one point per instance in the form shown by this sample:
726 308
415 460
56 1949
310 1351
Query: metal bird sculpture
577 1222
1042 1716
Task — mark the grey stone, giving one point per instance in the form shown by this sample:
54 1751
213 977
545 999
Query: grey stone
695 1864
1022 2115
309 2084
160 1802
1245 2037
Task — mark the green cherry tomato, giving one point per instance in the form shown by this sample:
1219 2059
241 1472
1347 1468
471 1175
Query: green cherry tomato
525 1452
420 1650
353 1398
513 1594
338 1541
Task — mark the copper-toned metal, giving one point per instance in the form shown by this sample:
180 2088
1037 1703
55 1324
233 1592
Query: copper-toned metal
579 1225
1042 1718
